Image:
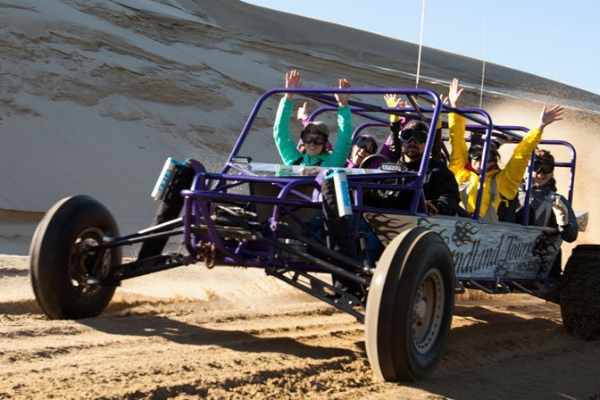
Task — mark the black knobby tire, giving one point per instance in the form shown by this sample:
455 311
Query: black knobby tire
580 293
409 306
60 264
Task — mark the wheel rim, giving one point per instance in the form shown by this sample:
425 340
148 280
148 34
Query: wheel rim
85 264
428 311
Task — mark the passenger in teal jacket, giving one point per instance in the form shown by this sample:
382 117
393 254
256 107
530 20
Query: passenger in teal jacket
315 135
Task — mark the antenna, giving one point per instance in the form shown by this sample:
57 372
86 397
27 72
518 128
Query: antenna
420 45
483 68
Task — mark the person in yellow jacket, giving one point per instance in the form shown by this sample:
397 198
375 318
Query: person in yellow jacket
466 164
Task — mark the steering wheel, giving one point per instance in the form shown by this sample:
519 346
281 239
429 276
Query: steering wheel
369 160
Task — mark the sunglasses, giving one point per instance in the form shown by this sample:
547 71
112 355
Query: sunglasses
366 144
418 136
318 140
476 154
543 167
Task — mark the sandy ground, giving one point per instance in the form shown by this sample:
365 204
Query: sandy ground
232 333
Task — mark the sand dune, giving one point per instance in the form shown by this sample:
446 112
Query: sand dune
95 98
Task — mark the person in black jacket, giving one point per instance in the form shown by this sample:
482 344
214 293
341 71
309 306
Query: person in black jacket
440 192
440 187
548 208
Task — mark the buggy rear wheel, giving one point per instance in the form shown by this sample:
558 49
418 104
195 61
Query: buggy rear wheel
61 264
409 306
580 292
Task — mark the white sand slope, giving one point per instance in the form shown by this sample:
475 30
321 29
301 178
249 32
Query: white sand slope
94 97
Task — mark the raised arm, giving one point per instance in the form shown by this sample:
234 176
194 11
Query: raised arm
341 150
392 146
281 131
512 174
342 98
459 157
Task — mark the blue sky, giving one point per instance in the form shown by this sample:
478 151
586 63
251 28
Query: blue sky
559 40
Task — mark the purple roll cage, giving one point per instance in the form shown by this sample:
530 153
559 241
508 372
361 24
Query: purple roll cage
292 182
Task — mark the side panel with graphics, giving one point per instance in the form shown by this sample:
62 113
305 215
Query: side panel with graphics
482 250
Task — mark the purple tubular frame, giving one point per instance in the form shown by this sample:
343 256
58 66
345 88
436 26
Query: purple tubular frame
211 188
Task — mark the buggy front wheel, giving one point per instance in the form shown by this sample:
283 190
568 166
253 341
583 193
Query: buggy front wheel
409 306
63 267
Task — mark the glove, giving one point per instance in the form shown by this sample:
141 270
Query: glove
392 102
395 147
561 212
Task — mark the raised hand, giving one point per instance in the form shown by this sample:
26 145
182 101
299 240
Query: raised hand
549 116
392 101
292 80
342 98
454 92
302 114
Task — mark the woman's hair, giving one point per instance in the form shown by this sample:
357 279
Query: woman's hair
543 157
543 161
319 127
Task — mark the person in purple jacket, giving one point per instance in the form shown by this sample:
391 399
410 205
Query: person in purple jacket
363 146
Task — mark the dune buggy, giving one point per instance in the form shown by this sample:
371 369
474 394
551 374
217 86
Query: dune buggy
257 212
